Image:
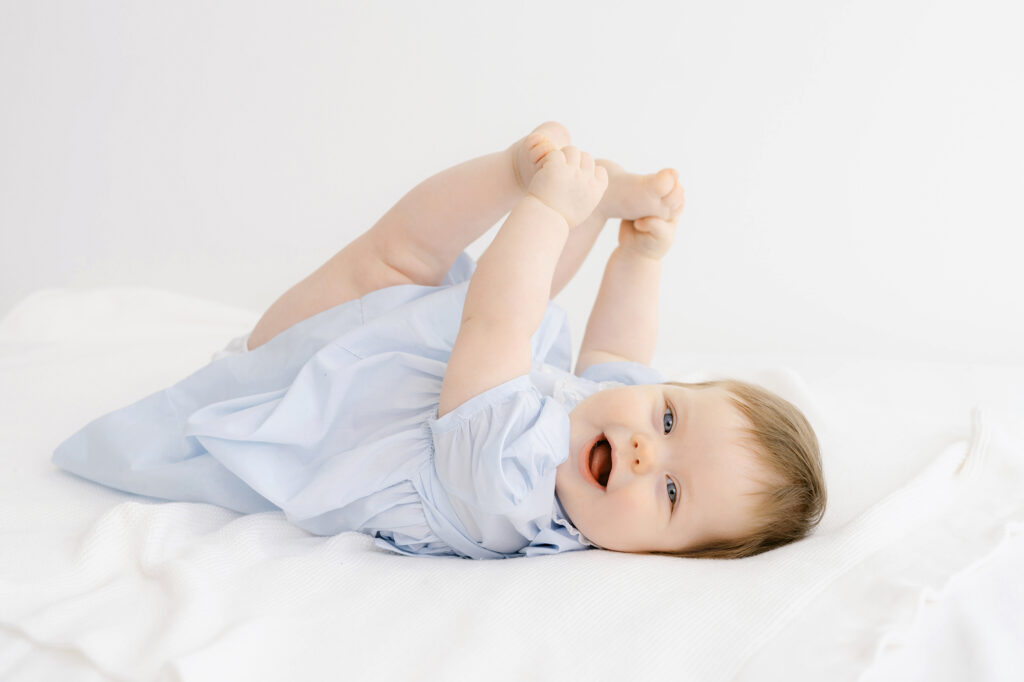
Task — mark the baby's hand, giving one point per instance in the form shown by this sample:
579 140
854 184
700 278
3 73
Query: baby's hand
650 237
570 183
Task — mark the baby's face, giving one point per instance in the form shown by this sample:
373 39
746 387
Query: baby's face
664 443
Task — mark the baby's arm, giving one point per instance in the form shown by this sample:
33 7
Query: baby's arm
623 324
581 241
505 303
508 293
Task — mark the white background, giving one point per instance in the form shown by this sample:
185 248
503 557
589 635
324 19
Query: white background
854 170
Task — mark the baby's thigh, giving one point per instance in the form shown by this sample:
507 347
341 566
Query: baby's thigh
396 257
350 274
377 261
355 271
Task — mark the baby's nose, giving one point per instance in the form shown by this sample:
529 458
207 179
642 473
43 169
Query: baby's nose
641 454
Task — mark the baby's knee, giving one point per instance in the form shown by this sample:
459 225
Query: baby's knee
401 261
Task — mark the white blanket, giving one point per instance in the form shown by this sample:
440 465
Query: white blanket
925 466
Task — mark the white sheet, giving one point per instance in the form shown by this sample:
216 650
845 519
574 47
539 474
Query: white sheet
95 583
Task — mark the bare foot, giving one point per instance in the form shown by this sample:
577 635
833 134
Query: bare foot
631 196
528 152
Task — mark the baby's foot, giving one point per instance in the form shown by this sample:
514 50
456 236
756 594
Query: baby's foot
631 196
528 153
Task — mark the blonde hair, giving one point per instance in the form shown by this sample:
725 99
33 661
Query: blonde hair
789 507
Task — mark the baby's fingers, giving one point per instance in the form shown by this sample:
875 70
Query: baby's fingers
572 155
675 201
587 163
654 226
649 224
555 157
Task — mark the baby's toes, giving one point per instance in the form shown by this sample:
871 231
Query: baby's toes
674 201
662 182
665 185
538 145
555 131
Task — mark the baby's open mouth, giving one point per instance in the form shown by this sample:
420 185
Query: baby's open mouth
600 461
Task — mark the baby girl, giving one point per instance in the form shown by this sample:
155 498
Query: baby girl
403 391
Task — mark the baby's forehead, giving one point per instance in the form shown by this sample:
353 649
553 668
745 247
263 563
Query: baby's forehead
715 407
729 431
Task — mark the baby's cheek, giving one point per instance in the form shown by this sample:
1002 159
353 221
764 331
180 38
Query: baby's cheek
633 502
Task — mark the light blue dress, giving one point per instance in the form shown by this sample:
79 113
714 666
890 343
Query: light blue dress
334 421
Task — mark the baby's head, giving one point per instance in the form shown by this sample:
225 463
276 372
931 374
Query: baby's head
719 469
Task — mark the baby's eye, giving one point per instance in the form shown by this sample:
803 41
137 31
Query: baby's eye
671 491
669 419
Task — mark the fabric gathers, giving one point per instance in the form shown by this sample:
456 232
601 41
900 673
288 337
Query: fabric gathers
334 422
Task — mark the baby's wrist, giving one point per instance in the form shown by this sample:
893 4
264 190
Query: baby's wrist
533 199
640 254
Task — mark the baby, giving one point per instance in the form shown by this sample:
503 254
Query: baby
405 392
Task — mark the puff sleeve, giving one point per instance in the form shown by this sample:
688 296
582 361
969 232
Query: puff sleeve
496 456
623 372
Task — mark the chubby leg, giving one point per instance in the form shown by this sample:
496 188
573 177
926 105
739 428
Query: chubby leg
419 238
429 227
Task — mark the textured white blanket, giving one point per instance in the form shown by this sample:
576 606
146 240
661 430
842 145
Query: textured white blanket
925 465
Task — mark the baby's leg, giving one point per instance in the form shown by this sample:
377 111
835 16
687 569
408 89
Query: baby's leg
419 238
434 222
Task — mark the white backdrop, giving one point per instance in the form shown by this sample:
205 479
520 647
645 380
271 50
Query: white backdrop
854 170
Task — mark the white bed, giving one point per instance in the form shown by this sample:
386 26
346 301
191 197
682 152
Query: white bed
914 573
